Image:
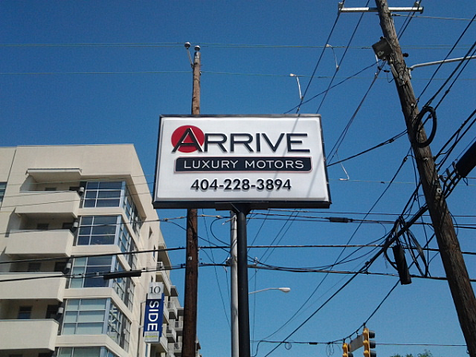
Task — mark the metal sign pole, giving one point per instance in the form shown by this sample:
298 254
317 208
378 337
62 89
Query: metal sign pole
243 303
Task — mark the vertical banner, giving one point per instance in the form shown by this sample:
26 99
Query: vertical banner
154 313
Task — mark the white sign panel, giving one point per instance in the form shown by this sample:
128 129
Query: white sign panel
263 161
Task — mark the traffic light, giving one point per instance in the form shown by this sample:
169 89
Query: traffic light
345 351
401 263
368 343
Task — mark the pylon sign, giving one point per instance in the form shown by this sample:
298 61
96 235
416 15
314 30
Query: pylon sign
154 313
264 161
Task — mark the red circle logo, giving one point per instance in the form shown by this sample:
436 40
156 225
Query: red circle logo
187 138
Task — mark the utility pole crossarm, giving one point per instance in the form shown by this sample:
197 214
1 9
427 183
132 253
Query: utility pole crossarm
451 256
415 8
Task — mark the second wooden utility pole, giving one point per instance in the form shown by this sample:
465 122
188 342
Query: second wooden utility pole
191 267
450 251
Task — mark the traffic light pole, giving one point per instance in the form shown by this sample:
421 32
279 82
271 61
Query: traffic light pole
450 251
191 266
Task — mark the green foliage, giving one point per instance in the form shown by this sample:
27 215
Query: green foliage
424 354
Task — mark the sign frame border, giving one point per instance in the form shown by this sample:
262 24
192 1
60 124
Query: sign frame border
230 204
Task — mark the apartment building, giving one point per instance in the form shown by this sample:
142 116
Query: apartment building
68 215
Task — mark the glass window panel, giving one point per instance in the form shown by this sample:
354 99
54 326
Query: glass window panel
76 283
70 316
3 186
89 329
108 203
86 230
100 261
83 240
65 352
109 194
105 220
87 352
24 312
105 185
96 282
89 204
95 270
69 329
101 231
91 316
73 305
78 270
80 261
93 304
105 229
90 194
86 221
109 239
92 185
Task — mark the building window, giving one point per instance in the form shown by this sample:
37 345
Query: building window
85 352
88 272
131 212
3 186
84 317
124 287
42 226
95 317
91 270
119 327
51 311
97 230
103 194
24 312
127 245
104 230
60 266
112 194
34 267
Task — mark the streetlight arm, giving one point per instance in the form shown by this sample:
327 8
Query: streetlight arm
284 290
411 68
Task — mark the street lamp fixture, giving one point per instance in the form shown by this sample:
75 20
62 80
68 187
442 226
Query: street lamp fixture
284 290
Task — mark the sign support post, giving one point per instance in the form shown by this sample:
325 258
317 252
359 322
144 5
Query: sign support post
243 301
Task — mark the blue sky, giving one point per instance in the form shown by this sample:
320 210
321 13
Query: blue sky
98 72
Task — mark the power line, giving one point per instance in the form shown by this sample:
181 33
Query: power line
423 344
342 59
215 45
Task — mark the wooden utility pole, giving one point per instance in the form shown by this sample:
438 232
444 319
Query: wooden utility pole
191 268
450 251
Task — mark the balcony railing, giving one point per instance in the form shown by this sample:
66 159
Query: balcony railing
36 286
57 243
179 326
28 334
163 277
171 334
172 309
44 203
